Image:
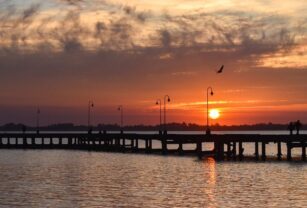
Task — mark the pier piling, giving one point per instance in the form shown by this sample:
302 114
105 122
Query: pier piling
289 147
279 154
129 142
263 156
256 151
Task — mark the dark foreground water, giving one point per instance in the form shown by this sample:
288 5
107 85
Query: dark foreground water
59 178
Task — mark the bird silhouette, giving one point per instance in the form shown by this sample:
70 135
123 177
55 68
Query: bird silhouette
220 70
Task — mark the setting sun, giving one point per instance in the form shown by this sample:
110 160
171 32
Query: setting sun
214 113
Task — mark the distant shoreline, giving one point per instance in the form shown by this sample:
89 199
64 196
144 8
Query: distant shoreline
169 127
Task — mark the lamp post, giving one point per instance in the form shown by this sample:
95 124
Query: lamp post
37 120
158 102
90 105
211 93
120 108
166 99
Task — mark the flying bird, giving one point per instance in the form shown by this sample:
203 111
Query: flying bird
220 70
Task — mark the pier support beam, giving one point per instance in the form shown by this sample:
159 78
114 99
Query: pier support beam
124 145
69 141
24 141
263 156
234 150
279 154
219 150
241 150
136 147
289 147
228 150
132 144
180 149
164 146
199 149
303 151
146 145
256 150
150 145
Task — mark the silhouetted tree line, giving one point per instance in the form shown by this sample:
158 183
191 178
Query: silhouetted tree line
170 127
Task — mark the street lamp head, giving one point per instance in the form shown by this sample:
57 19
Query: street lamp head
157 103
211 93
168 100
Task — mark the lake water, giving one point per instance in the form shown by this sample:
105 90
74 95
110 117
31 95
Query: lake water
63 178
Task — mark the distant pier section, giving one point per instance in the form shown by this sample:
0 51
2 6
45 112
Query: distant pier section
226 146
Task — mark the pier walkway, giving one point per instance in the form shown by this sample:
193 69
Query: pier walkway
226 146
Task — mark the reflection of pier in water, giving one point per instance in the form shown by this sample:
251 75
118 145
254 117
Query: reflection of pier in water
226 146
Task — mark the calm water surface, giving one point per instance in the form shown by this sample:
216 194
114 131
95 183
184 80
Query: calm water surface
59 178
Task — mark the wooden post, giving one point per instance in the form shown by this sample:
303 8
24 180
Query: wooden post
199 149
234 150
164 146
219 150
256 151
1 141
228 150
146 145
60 141
150 145
303 151
241 151
33 141
289 147
124 144
279 154
69 141
263 156
180 149
137 144
24 140
132 144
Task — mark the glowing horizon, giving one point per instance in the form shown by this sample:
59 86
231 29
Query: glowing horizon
60 54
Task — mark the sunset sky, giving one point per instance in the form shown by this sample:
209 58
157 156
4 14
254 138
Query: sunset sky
59 54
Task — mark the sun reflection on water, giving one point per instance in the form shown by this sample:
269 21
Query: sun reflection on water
210 177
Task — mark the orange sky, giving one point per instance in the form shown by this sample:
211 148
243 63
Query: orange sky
60 54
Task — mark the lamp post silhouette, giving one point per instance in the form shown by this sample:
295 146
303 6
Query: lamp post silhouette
37 120
90 105
158 102
166 99
120 108
211 93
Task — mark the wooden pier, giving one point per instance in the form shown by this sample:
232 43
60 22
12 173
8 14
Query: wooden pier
226 146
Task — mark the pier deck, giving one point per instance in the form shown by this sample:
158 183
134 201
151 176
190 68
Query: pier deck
228 146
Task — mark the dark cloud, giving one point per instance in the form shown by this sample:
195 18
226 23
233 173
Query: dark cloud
196 35
30 12
140 16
